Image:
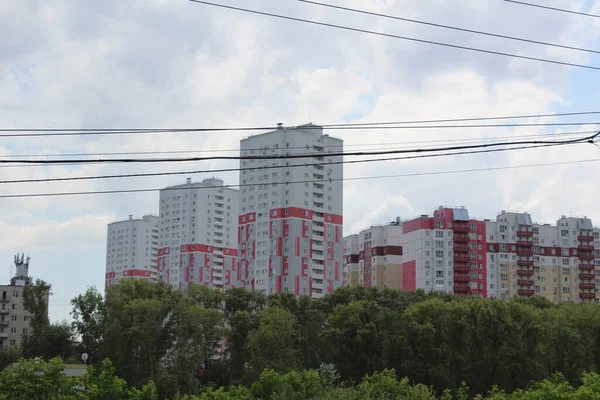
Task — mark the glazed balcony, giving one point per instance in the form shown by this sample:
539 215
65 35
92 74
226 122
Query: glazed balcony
587 286
525 282
587 296
525 292
461 278
525 263
585 247
587 267
461 238
587 256
461 228
585 238
462 288
461 258
461 248
524 243
525 253
524 233
462 268
525 272
587 277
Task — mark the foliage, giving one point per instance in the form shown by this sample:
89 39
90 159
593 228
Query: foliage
88 323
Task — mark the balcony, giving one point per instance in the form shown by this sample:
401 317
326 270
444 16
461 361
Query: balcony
525 253
4 300
317 275
461 238
318 247
461 248
585 238
461 278
525 292
317 256
462 268
461 258
587 256
587 286
525 282
316 218
525 233
525 272
318 228
318 285
4 311
587 296
584 277
524 243
3 335
585 247
525 263
461 228
462 288
587 267
3 323
318 238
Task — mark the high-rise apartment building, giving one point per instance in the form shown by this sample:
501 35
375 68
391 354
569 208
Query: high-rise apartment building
198 235
511 256
131 249
374 257
290 222
14 319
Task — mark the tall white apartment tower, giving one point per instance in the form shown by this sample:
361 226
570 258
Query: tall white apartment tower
290 223
131 249
198 235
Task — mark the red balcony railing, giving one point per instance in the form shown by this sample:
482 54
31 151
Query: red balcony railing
587 296
587 276
525 292
461 288
587 256
461 228
461 238
587 267
587 286
461 248
525 253
461 258
461 278
525 233
524 243
461 268
525 272
525 263
585 238
585 247
525 282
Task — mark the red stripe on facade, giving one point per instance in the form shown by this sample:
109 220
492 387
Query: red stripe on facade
137 272
290 212
409 275
247 218
297 246
304 266
297 285
110 275
416 224
279 246
333 219
304 229
285 266
164 251
337 270
278 285
196 248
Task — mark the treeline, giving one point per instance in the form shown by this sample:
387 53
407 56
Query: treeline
153 333
46 380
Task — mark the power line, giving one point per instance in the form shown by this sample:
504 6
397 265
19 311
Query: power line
349 127
298 182
552 8
329 126
389 35
149 174
589 139
463 140
449 27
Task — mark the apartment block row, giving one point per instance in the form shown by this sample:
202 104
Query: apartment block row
454 253
279 230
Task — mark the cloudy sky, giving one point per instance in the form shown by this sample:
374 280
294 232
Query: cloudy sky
174 63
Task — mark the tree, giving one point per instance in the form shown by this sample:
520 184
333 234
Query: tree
274 344
241 324
35 301
88 315
36 379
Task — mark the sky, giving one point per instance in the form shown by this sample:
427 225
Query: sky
179 64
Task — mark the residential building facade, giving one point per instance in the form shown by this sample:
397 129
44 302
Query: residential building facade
374 257
510 256
14 319
290 222
198 235
132 249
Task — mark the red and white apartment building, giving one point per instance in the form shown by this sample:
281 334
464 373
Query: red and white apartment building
290 218
198 235
453 253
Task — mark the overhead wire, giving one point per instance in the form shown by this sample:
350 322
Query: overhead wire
171 173
330 126
463 140
389 35
477 32
444 172
589 139
523 3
